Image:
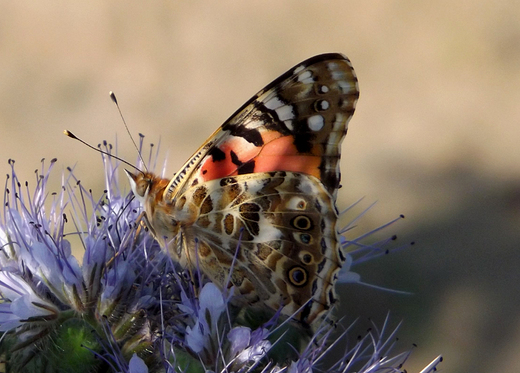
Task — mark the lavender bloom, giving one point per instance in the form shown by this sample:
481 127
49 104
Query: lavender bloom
127 307
247 345
206 316
24 302
137 365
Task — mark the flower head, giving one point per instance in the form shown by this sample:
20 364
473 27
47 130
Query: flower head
126 306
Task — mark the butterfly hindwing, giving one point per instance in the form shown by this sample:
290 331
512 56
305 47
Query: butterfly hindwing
275 233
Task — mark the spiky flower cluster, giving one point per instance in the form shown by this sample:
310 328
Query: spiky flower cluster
126 307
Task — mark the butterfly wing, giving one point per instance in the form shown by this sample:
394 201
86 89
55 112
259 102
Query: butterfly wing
271 235
296 123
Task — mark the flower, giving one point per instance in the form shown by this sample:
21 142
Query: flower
126 307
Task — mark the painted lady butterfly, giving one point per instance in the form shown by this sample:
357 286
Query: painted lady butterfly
258 197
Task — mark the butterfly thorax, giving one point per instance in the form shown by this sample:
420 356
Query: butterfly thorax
164 217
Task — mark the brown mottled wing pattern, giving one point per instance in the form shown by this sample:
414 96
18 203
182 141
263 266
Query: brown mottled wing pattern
281 226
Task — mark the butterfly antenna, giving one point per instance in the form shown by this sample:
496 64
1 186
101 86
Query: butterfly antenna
114 99
73 136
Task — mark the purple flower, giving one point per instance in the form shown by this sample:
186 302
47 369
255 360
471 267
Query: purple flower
137 365
248 346
126 307
21 303
211 305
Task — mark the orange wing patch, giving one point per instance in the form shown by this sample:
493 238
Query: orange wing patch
238 156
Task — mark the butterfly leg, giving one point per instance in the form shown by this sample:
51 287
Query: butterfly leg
142 223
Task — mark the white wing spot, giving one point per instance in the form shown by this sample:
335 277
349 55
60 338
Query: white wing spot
310 188
288 125
298 69
338 75
296 203
267 231
306 78
254 186
336 72
346 87
324 89
315 123
273 103
250 123
285 112
324 105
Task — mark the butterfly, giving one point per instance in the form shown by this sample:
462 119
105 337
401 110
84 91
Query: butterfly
255 206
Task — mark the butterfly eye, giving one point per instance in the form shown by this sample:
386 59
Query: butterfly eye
297 276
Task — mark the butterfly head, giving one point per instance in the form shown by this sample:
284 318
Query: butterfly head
140 185
145 185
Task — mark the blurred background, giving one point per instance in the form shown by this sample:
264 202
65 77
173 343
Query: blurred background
435 135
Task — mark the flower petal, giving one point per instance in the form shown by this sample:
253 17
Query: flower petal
137 365
239 338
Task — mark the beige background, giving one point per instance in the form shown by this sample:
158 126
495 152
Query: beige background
435 135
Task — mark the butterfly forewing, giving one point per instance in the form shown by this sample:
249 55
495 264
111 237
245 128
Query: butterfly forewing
255 205
296 123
